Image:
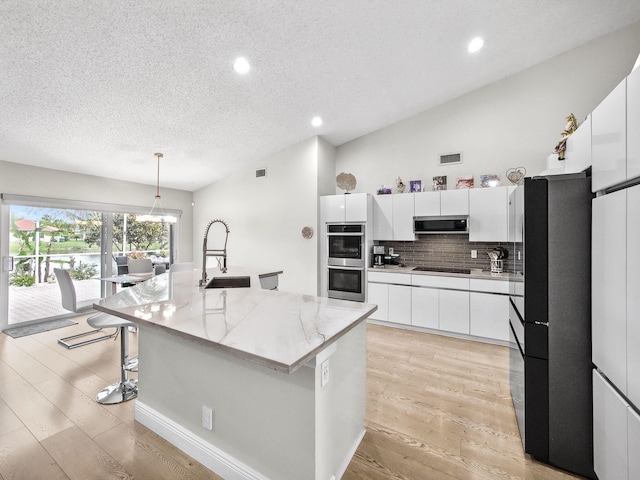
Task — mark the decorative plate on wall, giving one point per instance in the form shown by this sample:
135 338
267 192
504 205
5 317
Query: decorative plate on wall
307 232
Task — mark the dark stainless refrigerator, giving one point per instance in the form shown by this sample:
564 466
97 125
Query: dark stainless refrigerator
550 319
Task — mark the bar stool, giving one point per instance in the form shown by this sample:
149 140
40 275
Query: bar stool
126 388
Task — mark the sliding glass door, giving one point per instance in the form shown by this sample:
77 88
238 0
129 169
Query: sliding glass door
87 243
42 239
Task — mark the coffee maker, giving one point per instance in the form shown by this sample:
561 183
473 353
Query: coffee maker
378 256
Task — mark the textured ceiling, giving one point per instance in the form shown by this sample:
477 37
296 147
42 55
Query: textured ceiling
97 87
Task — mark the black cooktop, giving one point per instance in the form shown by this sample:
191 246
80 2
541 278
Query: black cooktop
443 270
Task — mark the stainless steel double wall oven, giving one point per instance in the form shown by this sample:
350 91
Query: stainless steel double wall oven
346 256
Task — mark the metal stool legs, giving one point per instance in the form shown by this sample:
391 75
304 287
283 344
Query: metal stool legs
126 388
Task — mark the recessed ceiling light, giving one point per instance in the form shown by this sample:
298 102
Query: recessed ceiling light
475 44
316 121
241 65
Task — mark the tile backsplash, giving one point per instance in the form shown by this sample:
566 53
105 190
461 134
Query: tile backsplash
447 251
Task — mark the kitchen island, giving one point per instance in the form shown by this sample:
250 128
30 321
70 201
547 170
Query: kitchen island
284 375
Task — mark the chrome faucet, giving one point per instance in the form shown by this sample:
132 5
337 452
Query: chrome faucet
214 252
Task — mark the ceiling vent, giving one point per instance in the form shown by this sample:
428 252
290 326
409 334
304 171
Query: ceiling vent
261 172
451 159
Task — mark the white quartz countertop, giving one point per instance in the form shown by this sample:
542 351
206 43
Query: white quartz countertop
475 273
279 330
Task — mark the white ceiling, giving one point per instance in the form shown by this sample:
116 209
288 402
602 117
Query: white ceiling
97 87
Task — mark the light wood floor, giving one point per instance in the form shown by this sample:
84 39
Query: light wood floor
437 408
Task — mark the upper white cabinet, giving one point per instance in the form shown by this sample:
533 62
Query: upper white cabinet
489 214
454 202
578 153
444 202
516 215
333 208
633 124
608 273
609 139
427 204
403 212
383 217
353 207
393 217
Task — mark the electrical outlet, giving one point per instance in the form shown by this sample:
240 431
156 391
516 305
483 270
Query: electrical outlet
474 253
207 418
390 250
324 379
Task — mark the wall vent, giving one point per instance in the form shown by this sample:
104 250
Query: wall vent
450 159
261 172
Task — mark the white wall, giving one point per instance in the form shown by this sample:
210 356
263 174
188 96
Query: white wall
514 122
41 182
266 216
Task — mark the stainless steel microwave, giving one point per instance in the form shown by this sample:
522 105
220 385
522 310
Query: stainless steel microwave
441 224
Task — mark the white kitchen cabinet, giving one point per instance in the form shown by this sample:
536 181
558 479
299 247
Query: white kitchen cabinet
425 307
633 436
608 317
610 435
357 207
426 204
633 125
400 304
609 139
454 202
488 214
633 294
516 215
454 311
444 202
352 207
489 315
383 217
403 211
378 293
333 207
578 152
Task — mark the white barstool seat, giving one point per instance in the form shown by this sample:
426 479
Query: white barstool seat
126 388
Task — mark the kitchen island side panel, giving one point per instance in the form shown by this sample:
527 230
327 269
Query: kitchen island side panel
284 426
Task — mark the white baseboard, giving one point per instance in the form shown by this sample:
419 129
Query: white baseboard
210 456
350 454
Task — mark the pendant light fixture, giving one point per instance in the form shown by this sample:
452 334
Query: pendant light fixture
157 213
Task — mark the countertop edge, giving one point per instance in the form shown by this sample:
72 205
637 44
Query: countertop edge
475 274
256 359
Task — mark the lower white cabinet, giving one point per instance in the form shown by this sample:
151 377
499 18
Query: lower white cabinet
610 437
489 315
394 302
378 293
454 311
400 304
478 307
425 307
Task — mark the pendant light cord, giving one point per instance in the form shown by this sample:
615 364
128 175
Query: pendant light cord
159 155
